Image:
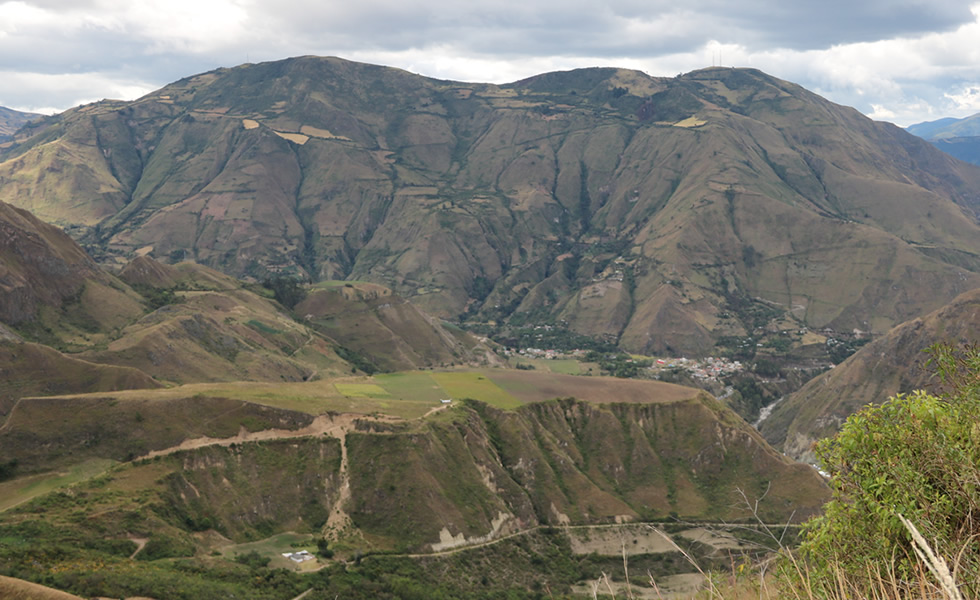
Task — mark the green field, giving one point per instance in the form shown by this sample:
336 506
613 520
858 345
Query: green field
274 547
362 390
460 385
23 489
412 385
565 366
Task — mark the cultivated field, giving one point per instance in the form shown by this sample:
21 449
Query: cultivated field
411 394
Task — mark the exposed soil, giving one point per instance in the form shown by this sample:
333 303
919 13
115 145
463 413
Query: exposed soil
140 544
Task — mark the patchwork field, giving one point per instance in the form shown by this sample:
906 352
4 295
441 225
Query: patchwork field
412 394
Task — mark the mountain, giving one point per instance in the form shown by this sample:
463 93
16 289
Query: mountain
947 128
12 120
665 213
956 137
894 363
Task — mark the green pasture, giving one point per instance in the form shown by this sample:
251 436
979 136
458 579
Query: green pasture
274 547
461 384
20 490
362 390
412 385
565 366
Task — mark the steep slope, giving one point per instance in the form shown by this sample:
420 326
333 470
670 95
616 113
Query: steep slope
52 292
471 474
665 212
966 149
566 462
51 289
889 365
188 323
386 332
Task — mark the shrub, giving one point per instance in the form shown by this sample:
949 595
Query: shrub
916 455
253 560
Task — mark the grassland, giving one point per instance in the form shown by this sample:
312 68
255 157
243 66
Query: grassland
18 589
273 547
412 394
21 490
478 386
565 366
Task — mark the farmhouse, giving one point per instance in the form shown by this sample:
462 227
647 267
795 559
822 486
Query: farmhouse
298 557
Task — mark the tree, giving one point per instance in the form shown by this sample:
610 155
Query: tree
916 455
288 291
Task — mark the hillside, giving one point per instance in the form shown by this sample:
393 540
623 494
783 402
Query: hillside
667 213
12 120
18 589
42 268
187 323
469 472
894 363
380 330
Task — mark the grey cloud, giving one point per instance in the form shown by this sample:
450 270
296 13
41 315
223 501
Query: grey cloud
593 27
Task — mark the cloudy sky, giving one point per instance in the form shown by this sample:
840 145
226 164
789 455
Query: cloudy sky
903 61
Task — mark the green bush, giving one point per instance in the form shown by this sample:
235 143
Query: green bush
164 546
917 455
253 560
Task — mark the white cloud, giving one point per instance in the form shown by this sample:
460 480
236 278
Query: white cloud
49 93
905 61
967 99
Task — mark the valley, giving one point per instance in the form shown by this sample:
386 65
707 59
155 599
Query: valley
453 340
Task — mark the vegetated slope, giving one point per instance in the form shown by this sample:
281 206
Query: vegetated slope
471 474
966 149
956 137
52 292
185 323
47 433
665 212
11 120
488 472
214 329
28 369
894 363
385 331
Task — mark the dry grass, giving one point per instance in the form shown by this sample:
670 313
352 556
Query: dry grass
785 576
18 589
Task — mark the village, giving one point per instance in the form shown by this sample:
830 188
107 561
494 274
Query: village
705 369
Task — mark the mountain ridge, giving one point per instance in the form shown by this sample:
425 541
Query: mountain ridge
956 137
666 212
891 364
